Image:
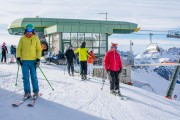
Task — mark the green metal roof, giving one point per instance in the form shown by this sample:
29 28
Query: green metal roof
53 25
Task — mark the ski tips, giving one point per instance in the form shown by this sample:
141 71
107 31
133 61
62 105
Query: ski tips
30 105
14 105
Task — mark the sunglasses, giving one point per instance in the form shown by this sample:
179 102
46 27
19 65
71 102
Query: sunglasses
113 47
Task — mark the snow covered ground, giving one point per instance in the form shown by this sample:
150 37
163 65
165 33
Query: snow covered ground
73 99
151 81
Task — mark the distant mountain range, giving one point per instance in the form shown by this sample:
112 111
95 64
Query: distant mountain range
163 56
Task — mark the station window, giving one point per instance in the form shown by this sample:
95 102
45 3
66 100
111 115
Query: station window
95 36
102 36
74 38
80 39
102 51
103 43
66 36
88 36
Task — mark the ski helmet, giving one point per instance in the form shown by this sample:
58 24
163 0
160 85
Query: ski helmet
70 46
29 28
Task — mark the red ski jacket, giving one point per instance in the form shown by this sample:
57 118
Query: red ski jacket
112 61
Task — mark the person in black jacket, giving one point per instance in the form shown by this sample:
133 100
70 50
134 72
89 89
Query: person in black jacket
4 52
69 55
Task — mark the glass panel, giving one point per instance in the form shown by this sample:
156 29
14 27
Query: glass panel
66 36
124 72
96 50
55 37
102 43
65 46
88 36
80 39
88 43
74 39
102 51
102 36
95 36
96 43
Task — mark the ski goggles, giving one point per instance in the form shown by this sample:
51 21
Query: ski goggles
114 47
29 30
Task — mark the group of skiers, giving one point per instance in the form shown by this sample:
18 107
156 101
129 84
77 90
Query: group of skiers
29 54
112 64
4 53
85 58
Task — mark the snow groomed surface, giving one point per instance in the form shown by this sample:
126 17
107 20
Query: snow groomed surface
80 100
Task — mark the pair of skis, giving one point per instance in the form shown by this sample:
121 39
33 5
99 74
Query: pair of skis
122 97
78 78
31 104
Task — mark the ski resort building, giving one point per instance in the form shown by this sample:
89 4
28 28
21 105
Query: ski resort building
59 33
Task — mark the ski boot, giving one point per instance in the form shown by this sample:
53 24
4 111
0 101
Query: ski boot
118 93
72 74
69 74
35 96
26 96
82 77
85 77
112 92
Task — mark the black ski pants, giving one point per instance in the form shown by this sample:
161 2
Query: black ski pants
114 80
83 67
3 57
70 66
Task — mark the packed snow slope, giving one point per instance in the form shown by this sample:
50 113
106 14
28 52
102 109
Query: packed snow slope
73 99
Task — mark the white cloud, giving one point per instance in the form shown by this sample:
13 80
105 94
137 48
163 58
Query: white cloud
149 14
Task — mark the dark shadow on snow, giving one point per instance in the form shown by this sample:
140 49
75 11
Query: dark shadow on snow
43 109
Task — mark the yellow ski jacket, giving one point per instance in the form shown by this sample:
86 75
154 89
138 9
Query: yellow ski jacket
29 48
83 53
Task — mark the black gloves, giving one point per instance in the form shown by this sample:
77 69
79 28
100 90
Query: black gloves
37 62
19 62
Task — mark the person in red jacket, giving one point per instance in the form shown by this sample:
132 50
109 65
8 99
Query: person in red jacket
113 66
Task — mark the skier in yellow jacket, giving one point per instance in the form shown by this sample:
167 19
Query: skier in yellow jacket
28 56
83 54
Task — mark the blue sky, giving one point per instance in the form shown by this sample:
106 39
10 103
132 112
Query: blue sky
154 15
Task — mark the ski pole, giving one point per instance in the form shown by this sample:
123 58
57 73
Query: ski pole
102 84
65 68
46 78
103 79
17 75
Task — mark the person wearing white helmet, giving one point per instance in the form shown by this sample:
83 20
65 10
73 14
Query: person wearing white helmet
90 62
